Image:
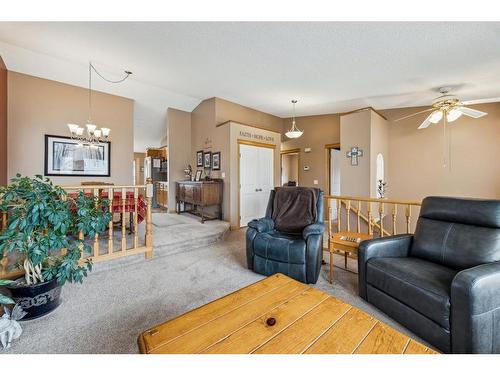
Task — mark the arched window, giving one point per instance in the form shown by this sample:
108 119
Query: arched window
379 174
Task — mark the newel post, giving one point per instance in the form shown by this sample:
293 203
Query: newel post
149 218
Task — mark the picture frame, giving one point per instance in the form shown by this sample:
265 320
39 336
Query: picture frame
207 159
199 158
65 156
216 161
198 175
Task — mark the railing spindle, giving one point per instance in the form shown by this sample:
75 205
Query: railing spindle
111 194
96 237
149 218
381 218
348 215
369 215
124 223
359 217
394 213
339 205
408 216
136 203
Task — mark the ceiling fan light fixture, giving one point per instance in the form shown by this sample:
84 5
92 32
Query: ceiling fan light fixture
436 116
453 115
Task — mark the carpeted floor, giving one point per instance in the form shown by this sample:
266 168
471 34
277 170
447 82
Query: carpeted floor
108 311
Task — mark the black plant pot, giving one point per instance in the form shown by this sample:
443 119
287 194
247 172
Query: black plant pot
38 299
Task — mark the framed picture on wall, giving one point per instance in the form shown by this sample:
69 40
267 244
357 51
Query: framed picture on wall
199 158
216 161
66 157
198 175
207 157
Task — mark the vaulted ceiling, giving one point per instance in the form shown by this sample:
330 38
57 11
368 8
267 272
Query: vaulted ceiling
328 66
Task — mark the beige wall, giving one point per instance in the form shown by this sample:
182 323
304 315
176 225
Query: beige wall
319 131
240 132
416 156
229 111
207 136
3 123
379 144
38 106
355 130
179 150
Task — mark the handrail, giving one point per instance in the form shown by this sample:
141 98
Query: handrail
374 200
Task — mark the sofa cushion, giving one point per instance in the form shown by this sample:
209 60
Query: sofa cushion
419 284
281 247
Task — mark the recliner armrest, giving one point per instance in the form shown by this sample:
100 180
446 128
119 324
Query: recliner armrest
475 297
392 246
262 225
315 228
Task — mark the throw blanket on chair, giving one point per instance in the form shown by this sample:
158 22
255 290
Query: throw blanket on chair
294 208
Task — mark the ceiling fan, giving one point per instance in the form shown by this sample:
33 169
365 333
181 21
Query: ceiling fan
448 107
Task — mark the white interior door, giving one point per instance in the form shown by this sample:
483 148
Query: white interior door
256 181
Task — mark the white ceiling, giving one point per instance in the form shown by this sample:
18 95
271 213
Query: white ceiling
329 67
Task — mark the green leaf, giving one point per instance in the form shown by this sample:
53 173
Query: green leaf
5 282
4 300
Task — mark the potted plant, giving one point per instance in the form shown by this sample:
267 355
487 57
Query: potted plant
43 227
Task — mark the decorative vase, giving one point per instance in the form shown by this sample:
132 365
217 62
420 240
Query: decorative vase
37 299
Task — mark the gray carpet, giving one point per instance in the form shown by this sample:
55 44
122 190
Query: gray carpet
113 306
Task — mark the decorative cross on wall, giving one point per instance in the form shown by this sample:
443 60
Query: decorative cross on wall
354 154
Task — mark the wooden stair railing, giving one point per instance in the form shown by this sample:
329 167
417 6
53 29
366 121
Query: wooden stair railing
346 203
112 251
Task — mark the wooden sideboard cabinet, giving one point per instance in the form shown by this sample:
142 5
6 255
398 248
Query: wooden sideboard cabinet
199 195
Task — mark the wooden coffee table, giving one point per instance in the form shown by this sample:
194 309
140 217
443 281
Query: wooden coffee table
277 315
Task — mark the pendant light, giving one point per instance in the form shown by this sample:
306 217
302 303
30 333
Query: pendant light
94 135
294 132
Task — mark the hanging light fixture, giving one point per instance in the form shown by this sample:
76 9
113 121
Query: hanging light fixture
94 136
294 132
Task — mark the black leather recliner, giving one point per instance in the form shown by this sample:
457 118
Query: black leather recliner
297 255
443 282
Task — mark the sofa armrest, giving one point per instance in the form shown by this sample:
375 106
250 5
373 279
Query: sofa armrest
392 246
315 228
262 225
475 310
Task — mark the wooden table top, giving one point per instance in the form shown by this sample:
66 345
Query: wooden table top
336 238
277 315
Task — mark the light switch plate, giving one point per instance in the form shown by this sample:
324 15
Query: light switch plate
315 182
223 175
307 149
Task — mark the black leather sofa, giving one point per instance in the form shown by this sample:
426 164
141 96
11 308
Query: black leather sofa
297 255
443 282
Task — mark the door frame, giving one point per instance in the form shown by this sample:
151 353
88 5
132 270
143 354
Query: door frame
291 151
255 144
328 147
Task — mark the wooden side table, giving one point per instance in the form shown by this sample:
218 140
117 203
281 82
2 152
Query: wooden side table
339 244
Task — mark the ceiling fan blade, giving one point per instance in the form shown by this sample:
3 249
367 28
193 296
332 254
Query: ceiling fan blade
474 113
481 101
426 122
413 114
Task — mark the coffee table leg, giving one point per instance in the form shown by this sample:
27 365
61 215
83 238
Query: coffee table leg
331 268
345 259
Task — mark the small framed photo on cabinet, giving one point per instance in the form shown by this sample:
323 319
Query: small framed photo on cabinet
207 157
198 175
